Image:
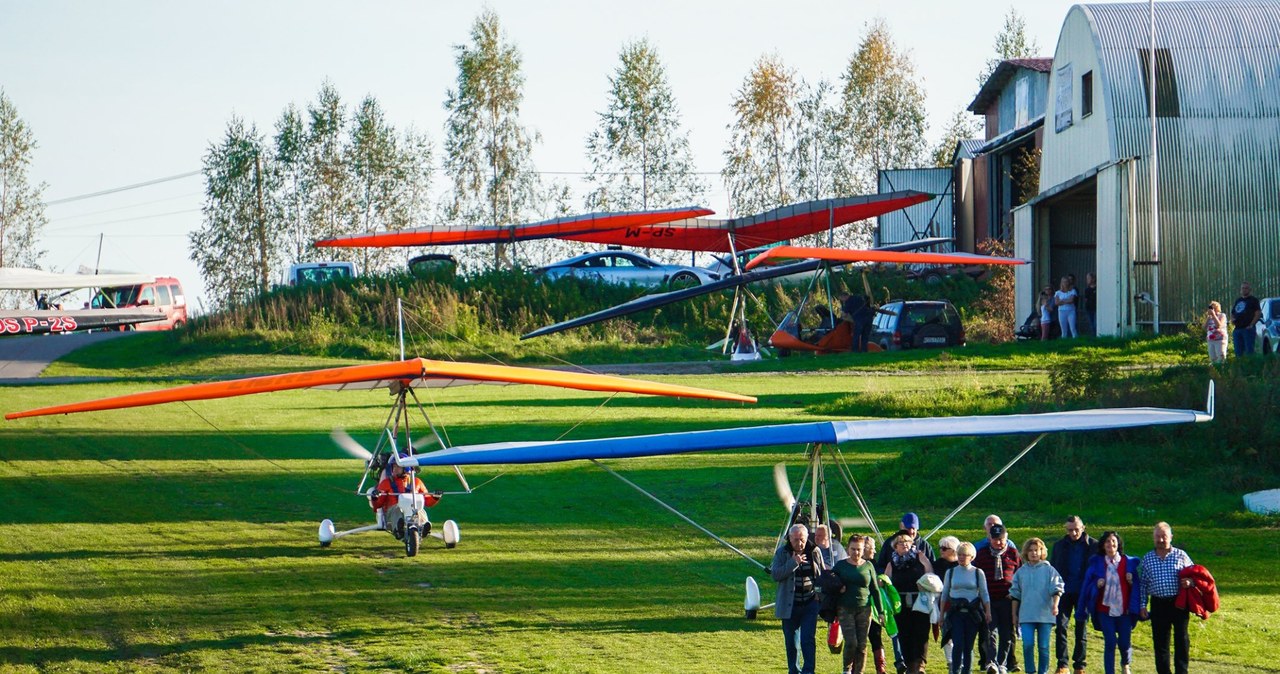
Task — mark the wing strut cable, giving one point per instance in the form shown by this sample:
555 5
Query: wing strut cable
681 515
846 473
988 483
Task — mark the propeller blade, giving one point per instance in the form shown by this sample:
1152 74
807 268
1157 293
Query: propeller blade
783 486
348 444
426 439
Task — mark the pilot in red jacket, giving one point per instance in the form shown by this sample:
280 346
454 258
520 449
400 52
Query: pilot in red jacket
386 496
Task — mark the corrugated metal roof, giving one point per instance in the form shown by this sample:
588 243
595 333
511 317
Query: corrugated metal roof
1000 77
968 148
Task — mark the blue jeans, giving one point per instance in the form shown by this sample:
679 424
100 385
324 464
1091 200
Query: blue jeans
1035 640
1115 635
963 632
802 625
1244 339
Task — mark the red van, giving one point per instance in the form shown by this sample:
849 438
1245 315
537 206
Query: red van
164 293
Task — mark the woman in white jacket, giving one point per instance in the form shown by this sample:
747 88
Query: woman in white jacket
1035 592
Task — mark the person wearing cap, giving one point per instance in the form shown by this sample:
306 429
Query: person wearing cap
910 526
999 561
986 529
1070 556
385 498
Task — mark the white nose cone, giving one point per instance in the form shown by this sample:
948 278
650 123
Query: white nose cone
451 533
752 603
326 532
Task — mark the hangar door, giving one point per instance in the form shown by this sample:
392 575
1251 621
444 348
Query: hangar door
1073 234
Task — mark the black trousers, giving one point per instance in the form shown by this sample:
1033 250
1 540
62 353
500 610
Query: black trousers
1066 607
1166 618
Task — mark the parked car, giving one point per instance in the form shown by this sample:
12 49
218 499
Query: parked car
319 272
916 325
1269 326
433 265
163 295
616 266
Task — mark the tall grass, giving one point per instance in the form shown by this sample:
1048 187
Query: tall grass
355 317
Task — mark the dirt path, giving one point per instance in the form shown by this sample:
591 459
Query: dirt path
24 358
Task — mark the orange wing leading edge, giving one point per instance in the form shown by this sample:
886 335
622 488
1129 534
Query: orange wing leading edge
404 372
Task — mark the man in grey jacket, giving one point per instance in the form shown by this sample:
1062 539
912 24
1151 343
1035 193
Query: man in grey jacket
796 566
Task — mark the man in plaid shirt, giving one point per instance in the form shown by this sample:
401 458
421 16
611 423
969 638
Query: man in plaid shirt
1161 584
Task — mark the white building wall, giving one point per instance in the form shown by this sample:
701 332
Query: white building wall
1087 142
1024 274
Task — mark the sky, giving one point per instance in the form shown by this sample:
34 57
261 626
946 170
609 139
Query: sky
125 93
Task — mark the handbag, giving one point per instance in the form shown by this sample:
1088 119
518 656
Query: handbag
835 637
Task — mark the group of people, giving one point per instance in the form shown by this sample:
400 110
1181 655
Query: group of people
989 592
1063 307
1246 311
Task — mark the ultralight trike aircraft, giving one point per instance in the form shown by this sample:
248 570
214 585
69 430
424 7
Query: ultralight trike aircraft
404 514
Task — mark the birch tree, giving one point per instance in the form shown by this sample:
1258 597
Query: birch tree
639 154
882 111
378 171
881 120
1012 42
758 162
330 205
962 125
816 155
487 152
235 247
291 162
22 216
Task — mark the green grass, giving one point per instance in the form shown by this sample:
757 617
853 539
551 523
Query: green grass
182 537
169 355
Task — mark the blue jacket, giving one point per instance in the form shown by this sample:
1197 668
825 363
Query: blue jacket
1089 591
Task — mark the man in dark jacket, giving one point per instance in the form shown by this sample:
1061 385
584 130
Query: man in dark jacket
1070 557
998 562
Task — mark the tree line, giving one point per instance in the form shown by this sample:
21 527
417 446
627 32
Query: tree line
328 168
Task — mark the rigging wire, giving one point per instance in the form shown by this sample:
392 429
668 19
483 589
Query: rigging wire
986 484
681 515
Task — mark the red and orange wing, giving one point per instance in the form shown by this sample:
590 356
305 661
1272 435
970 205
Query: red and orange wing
762 229
853 255
406 372
555 228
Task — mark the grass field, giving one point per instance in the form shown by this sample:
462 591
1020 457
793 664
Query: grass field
182 537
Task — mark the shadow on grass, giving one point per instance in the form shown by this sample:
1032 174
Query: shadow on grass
56 655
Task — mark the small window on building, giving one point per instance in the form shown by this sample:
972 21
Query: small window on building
1086 94
1166 83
